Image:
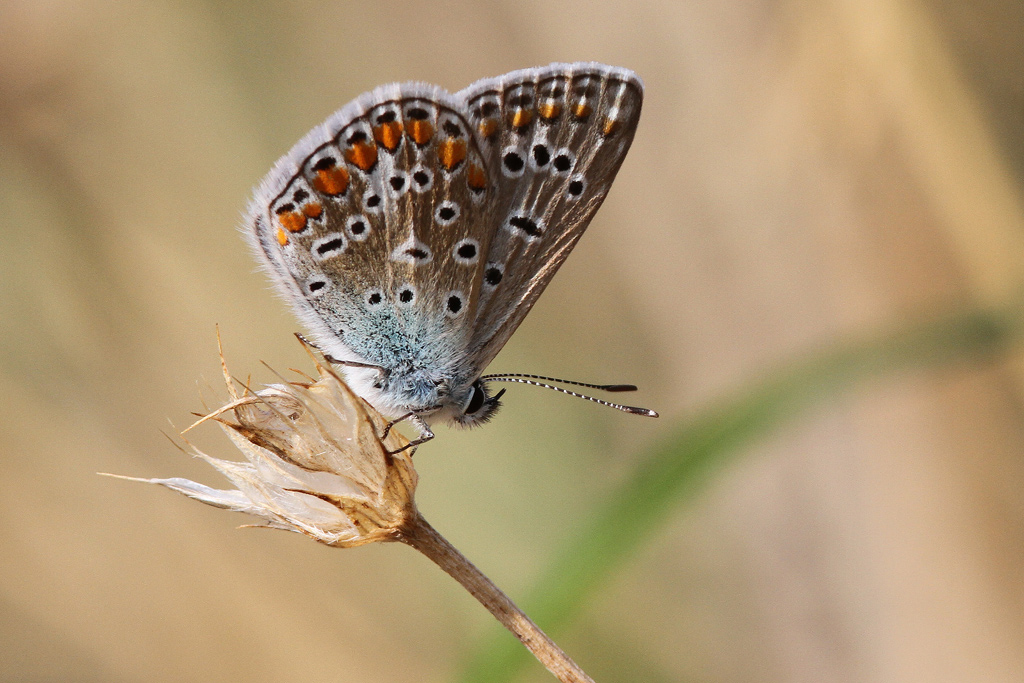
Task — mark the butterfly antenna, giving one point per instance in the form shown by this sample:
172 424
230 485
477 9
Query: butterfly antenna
521 379
602 387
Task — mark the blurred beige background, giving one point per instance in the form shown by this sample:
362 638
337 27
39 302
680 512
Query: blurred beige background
803 171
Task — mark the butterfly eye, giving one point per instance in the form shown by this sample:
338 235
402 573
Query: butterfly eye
476 400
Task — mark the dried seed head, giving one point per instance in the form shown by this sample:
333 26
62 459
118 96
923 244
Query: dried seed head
315 463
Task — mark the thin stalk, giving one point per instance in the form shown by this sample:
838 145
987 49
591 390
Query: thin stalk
423 537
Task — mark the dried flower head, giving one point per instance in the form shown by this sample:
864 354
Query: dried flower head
315 463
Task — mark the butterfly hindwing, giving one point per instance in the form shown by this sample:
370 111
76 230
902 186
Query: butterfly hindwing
553 139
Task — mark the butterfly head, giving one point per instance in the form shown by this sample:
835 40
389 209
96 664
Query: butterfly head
431 398
468 406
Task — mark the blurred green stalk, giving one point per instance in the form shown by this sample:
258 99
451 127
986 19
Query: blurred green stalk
700 446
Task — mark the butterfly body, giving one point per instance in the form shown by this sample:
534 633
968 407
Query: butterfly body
415 228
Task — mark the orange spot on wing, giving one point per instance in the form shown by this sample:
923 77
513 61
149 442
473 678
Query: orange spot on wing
581 110
362 154
549 110
488 127
521 118
293 221
313 210
282 237
388 134
332 181
451 152
476 178
610 126
420 131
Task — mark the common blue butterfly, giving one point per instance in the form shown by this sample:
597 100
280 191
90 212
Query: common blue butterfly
414 229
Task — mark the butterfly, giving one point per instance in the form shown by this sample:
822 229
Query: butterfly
414 229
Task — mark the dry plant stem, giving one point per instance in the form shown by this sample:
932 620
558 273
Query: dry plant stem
420 535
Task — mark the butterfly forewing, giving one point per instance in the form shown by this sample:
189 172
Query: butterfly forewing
373 228
553 139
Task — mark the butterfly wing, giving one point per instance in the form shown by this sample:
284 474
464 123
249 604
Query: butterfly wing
414 229
553 139
365 227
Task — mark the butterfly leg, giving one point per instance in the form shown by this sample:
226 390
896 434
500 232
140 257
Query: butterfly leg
337 361
425 432
387 429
